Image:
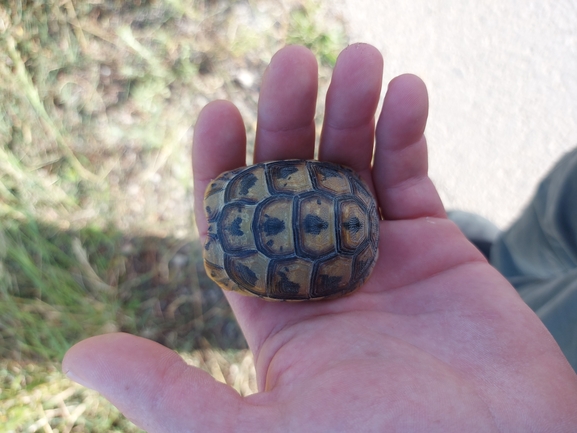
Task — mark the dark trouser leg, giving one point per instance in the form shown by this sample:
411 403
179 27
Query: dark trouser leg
538 254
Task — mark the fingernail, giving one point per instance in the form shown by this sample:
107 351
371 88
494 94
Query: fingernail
77 378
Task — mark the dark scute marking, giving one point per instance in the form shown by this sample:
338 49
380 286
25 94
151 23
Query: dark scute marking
329 283
327 172
314 224
246 183
273 226
285 172
208 211
214 188
235 227
362 266
286 286
246 274
270 243
353 225
362 189
211 238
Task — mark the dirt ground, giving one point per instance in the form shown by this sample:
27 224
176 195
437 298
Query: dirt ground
502 84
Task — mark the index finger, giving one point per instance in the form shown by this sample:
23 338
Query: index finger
219 144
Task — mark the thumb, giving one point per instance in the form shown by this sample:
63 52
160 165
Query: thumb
154 388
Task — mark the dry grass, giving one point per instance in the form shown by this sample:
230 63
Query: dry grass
97 102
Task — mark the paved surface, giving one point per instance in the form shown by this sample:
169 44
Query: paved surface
502 79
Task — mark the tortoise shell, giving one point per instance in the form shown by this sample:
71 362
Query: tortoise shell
290 230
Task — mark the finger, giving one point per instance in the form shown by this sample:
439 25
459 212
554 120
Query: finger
154 388
349 125
219 144
286 107
400 168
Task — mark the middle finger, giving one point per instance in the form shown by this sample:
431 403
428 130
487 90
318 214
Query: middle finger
349 124
286 107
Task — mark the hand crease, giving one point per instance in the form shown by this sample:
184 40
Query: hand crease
363 124
477 261
408 183
287 129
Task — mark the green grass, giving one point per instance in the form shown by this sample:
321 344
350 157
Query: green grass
97 104
310 27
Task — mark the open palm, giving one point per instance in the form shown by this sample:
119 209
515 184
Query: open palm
436 340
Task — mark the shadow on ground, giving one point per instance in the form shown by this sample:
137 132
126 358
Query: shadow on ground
58 287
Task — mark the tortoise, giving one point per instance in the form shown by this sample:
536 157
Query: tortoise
290 230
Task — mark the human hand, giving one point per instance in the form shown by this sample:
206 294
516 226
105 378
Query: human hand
435 341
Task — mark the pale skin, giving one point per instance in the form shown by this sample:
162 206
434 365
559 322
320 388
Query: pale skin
435 341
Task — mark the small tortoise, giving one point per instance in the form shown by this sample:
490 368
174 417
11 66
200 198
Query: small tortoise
290 230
